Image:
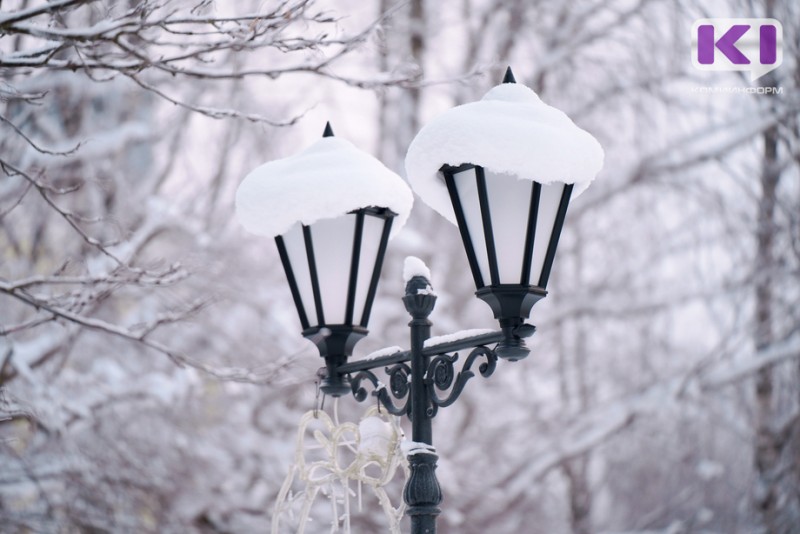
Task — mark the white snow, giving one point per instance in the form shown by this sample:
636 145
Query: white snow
411 448
328 179
463 334
414 266
375 436
510 131
387 351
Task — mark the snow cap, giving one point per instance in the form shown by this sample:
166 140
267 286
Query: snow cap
413 266
328 179
509 131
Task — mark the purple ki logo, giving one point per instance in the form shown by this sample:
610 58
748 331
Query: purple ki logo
754 45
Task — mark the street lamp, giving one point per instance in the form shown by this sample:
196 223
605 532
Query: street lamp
503 169
330 209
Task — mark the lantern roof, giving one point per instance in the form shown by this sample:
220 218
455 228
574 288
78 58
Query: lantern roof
509 131
328 179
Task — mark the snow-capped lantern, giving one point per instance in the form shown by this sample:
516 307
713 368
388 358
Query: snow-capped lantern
504 169
332 209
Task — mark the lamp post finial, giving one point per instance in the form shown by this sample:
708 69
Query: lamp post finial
509 77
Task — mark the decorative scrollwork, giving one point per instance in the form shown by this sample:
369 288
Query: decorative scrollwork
485 368
441 371
360 392
441 374
398 379
444 385
398 385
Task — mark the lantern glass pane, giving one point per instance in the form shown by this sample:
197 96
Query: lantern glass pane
370 243
333 251
468 195
548 208
296 250
509 203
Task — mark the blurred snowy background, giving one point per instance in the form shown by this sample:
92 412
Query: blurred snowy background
151 367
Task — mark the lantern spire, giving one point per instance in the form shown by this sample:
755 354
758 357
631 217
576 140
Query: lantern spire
509 77
328 130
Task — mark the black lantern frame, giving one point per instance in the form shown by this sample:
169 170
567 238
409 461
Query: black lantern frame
335 341
511 303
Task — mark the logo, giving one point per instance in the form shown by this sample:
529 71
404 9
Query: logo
754 45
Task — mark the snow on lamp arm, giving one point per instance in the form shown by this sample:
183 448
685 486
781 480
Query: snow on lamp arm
503 169
332 210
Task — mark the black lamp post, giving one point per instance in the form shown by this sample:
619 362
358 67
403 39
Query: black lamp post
510 219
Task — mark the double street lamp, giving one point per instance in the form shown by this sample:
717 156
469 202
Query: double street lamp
503 169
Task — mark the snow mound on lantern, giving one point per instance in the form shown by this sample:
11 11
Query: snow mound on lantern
328 179
510 131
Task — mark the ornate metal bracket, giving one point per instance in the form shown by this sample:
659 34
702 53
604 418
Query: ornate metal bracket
441 375
444 385
399 379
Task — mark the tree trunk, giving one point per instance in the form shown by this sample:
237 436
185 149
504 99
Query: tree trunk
404 42
767 444
580 495
576 469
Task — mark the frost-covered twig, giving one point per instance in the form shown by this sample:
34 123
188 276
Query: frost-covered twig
591 429
154 37
140 335
45 190
36 146
32 12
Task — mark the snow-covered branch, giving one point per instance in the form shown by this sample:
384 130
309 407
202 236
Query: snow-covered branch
163 37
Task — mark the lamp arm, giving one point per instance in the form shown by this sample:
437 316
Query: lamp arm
440 376
471 342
